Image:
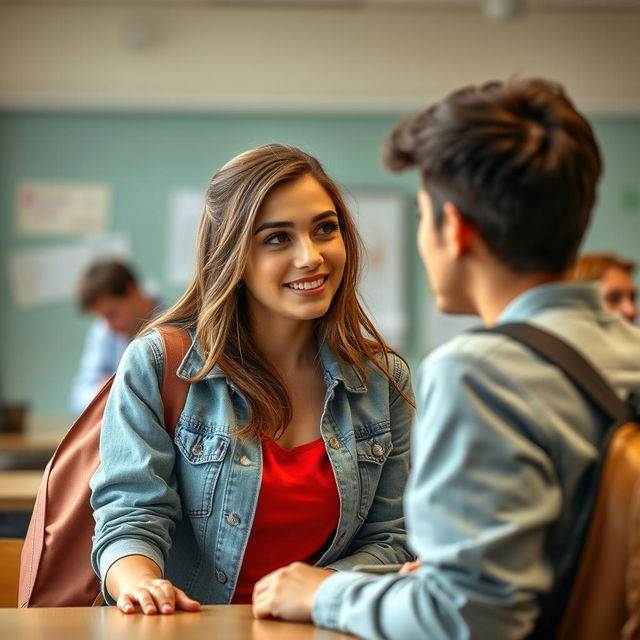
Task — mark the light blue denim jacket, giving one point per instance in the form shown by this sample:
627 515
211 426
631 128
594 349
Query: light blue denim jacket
189 504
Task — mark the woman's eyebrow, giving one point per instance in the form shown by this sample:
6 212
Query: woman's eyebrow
288 223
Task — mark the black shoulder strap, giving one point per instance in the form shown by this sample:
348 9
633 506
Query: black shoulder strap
575 366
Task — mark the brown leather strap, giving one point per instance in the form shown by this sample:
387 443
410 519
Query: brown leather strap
176 342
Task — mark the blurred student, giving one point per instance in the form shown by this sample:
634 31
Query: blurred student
294 439
109 291
615 276
504 447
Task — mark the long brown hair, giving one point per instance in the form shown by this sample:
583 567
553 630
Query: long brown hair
215 306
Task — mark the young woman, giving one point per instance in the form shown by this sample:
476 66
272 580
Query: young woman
293 442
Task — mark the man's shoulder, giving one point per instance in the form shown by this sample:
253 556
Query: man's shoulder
471 346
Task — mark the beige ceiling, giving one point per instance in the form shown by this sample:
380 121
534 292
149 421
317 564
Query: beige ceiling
333 3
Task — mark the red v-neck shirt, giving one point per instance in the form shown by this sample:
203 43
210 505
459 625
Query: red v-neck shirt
297 512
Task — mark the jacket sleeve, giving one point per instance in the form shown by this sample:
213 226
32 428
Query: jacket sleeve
134 495
382 539
482 493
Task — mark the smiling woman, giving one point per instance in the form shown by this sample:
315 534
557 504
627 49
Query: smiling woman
293 444
297 259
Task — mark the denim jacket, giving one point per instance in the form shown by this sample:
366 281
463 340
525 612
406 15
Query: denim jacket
189 504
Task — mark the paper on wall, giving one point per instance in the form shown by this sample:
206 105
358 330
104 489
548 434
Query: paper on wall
380 218
185 210
46 208
50 275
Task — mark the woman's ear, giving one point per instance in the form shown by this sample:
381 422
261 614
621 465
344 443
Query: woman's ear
458 232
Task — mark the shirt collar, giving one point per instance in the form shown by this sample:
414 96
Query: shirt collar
563 295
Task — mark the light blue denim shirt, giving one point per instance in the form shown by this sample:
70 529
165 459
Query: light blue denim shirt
101 354
501 443
189 504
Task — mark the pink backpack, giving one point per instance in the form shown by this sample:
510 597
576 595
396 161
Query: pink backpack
55 567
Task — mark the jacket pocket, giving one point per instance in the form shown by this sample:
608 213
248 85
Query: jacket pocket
198 464
373 446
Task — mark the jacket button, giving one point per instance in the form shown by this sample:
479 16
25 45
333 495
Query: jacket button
244 461
197 449
233 519
342 538
333 443
220 577
377 450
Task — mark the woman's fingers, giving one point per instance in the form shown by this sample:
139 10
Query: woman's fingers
156 596
163 593
126 604
144 599
184 602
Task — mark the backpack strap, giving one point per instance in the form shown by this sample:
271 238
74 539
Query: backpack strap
176 343
591 383
572 363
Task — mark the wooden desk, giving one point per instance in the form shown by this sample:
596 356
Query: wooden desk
18 490
30 442
231 622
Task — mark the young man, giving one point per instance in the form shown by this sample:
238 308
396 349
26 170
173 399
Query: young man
504 445
109 291
615 276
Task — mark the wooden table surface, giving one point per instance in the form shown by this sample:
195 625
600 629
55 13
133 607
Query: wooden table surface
227 622
18 490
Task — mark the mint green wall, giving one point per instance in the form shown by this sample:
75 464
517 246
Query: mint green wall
143 158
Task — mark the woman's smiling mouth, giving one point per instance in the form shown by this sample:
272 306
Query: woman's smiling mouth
313 284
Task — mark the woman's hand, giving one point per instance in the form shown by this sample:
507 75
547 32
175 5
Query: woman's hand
155 595
137 580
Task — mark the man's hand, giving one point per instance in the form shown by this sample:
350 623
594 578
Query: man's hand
410 567
288 593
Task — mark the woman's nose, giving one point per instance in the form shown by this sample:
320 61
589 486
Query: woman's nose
308 255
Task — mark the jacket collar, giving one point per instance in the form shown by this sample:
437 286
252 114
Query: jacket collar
556 295
334 369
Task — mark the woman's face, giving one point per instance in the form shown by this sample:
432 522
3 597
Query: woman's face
297 256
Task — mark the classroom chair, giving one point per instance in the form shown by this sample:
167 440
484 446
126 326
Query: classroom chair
10 549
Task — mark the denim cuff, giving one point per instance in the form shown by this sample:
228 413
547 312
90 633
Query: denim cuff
328 600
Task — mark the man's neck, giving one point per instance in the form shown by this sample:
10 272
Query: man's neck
495 290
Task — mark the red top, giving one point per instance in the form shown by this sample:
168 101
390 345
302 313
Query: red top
297 512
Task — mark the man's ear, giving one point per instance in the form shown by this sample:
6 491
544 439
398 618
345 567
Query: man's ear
133 290
460 233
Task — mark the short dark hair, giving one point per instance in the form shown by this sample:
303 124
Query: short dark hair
518 161
109 277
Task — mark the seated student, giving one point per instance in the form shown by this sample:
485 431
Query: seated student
615 276
109 291
294 440
504 443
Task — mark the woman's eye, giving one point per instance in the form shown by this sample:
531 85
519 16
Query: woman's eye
276 238
328 227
